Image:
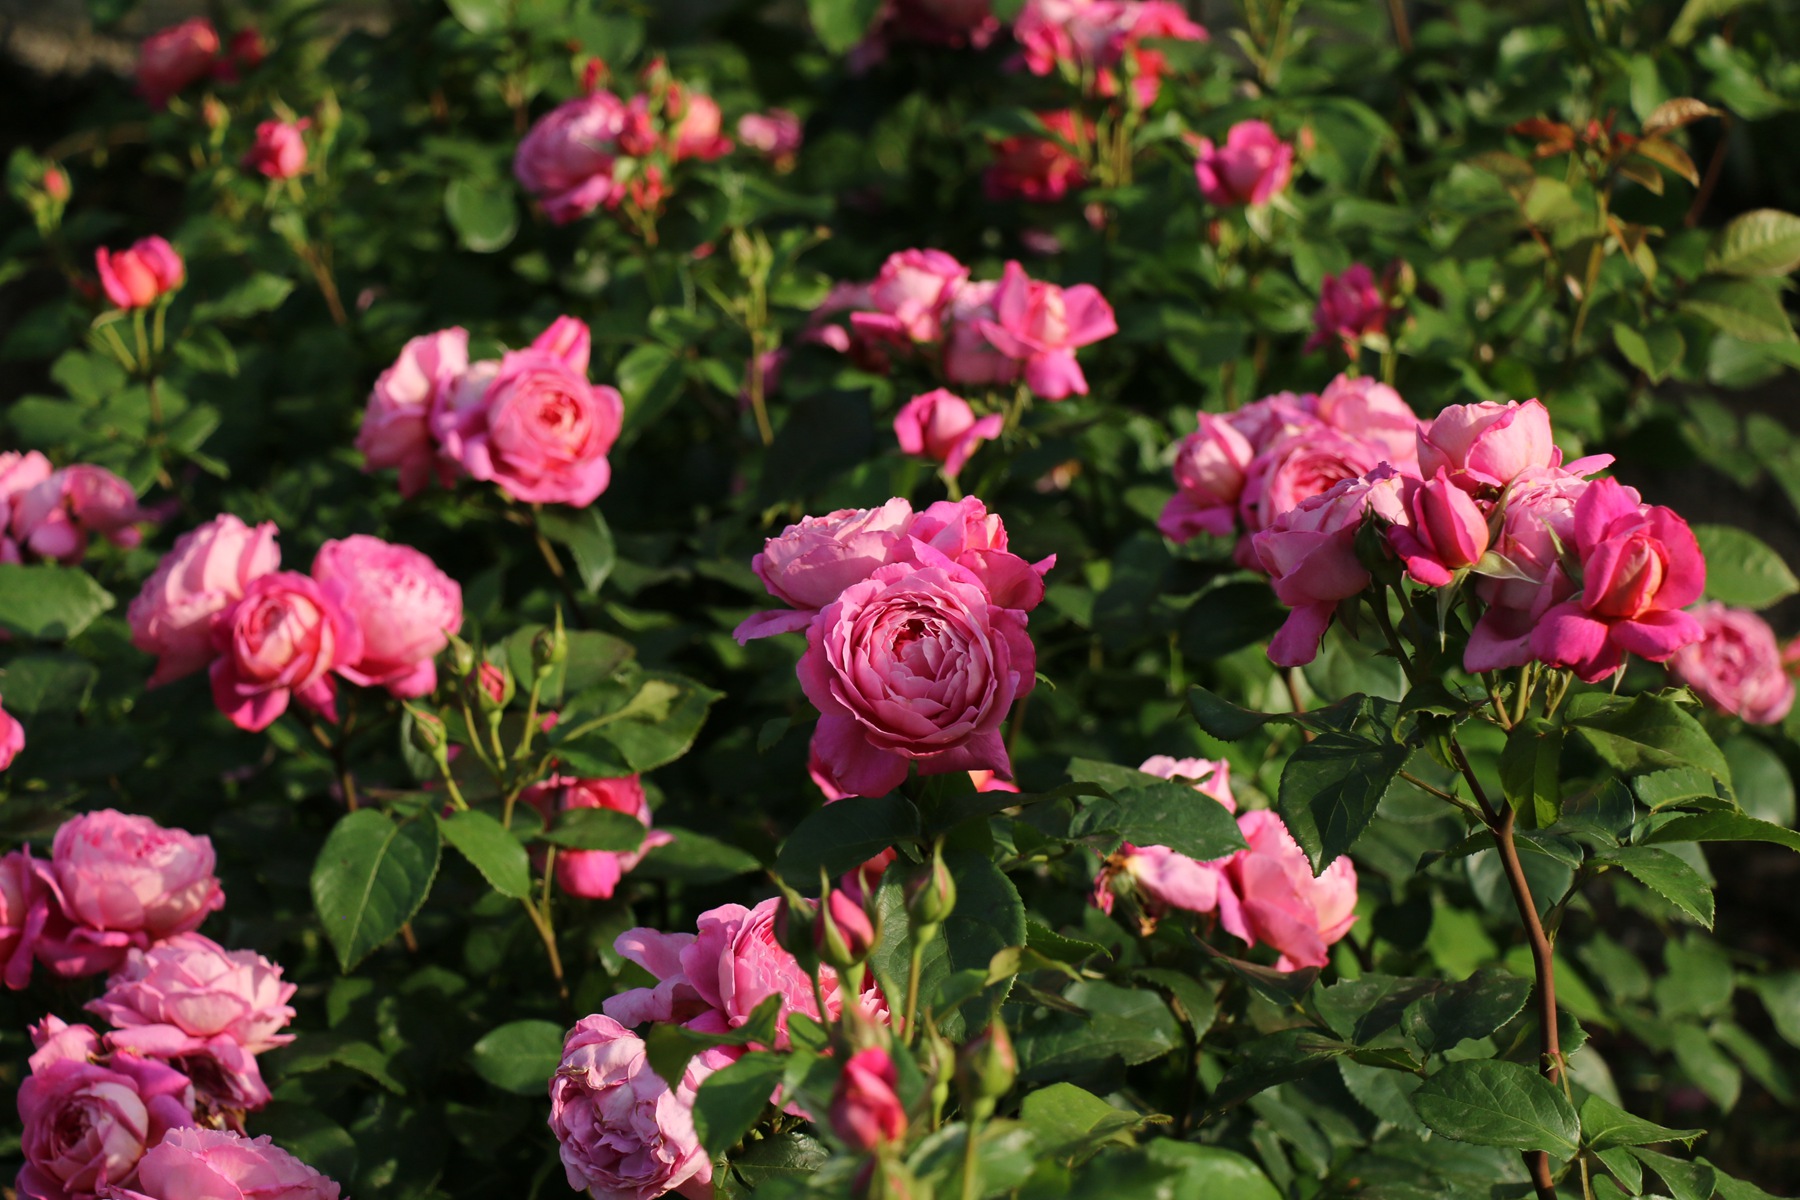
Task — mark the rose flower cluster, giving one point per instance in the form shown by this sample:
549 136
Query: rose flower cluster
371 612
916 645
1265 895
1099 44
528 421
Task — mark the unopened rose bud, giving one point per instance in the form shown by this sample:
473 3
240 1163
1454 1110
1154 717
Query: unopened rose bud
550 648
842 932
56 184
865 1106
495 687
428 732
932 893
987 1066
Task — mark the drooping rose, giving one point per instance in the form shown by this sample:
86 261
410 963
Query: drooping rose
571 160
406 608
1488 445
1040 168
217 1164
812 562
1248 169
281 641
1041 326
1280 902
909 297
1736 665
941 426
595 874
1446 530
172 60
140 274
1350 307
396 428
204 574
865 1106
1211 468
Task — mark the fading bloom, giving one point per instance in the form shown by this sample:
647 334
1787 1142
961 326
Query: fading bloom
1248 169
204 574
1280 902
405 607
279 151
941 426
1350 308
282 640
141 274
1736 665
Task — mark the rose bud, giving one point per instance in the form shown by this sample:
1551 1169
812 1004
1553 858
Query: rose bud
843 933
1447 531
279 151
987 1066
932 893
135 277
865 1106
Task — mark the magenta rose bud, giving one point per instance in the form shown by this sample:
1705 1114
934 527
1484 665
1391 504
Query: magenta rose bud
1040 326
910 297
204 574
1211 468
12 738
571 160
595 874
865 1106
941 426
86 1126
1736 665
843 933
1249 169
1350 307
127 875
406 608
1447 530
281 642
811 563
622 1132
1487 445
1037 168
1279 902
172 60
199 1164
279 150
137 276
396 424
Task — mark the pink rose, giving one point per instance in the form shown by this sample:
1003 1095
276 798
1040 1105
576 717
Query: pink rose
26 905
86 1125
137 276
861 883
914 665
1298 465
1446 530
1639 566
776 133
811 563
1041 325
1248 169
20 474
173 59
571 160
987 781
1736 665
12 738
1164 19
1210 777
1537 519
697 123
1077 37
1350 308
1488 444
623 1132
865 1105
595 874
1280 902
283 639
396 424
204 574
1373 412
910 296
1038 168
201 1164
1162 879
970 359
405 607
966 533
941 426
1211 468
1265 420
279 151
54 518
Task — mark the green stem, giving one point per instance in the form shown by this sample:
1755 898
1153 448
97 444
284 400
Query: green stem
915 968
970 1176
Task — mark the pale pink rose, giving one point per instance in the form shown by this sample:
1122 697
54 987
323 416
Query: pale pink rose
1210 777
595 874
811 563
1161 880
139 275
1248 169
1445 530
216 1164
20 474
204 574
910 296
396 428
1038 168
282 640
1736 665
279 151
86 1126
571 159
406 608
624 1134
172 60
27 903
1537 520
776 133
1279 901
914 665
55 1040
1371 411
1488 445
12 738
970 359
1350 307
866 1111
696 126
131 880
1298 465
941 426
1211 468
55 518
1042 325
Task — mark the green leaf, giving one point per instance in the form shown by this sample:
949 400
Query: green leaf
46 683
589 539
1742 308
1229 723
49 603
732 1100
482 17
1068 1122
372 875
519 1057
695 858
1736 1189
1685 1180
1528 771
1494 1103
490 849
1722 826
668 1048
1162 813
1652 733
1694 13
1666 875
1655 351
1274 1059
260 293
310 1136
1742 569
1780 995
1127 1025
1280 988
846 834
484 213
1473 1008
1764 241
1604 1125
1209 1171
792 1156
1331 788
841 24
596 829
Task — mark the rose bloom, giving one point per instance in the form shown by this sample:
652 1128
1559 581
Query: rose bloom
1042 325
20 474
1073 36
776 133
201 1164
172 60
970 359
1249 169
812 562
1370 411
1210 777
279 151
622 1132
571 159
941 426
1297 466
865 1105
1211 467
12 738
967 534
282 640
1488 445
54 518
1537 520
139 275
1280 902
1736 665
396 424
595 874
909 297
1035 167
696 124
406 608
1160 878
204 574
1640 566
1350 308
26 904
1445 530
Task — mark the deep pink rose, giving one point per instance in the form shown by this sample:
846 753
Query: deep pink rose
1371 411
941 426
27 903
1736 665
55 518
1537 519
87 1125
1639 567
624 1134
1211 468
12 738
1488 445
1445 530
173 59
1280 902
697 123
406 608
865 1106
396 428
910 296
776 133
1304 462
279 151
595 874
204 574
571 159
811 563
282 640
970 359
1039 168
137 276
1350 307
1041 325
1251 166
216 1164
987 781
